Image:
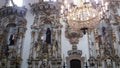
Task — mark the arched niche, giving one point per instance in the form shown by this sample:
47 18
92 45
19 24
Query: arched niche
47 25
11 32
44 28
75 63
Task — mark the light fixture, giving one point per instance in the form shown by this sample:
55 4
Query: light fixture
84 15
79 16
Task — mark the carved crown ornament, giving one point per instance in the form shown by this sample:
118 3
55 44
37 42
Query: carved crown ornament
45 13
73 52
44 8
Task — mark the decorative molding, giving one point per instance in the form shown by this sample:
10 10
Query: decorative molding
12 10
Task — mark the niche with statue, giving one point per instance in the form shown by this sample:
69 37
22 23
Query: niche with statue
12 30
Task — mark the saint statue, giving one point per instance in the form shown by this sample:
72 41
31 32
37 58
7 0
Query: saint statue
48 36
11 39
103 30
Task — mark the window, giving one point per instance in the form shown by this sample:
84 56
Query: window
17 2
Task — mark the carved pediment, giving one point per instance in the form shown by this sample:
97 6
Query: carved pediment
44 8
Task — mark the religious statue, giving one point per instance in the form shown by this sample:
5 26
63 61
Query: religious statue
103 30
48 36
12 39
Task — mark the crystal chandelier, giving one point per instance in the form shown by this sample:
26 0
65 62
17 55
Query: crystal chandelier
80 15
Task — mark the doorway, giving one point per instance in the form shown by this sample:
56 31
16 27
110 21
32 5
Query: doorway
75 63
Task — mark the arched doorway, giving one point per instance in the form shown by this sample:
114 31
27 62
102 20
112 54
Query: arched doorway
75 63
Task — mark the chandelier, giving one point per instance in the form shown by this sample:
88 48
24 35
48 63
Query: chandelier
80 15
